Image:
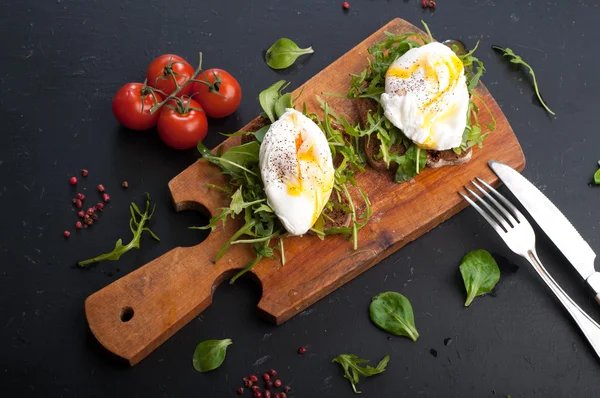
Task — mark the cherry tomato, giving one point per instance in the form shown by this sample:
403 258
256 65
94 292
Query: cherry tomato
131 106
167 68
220 95
182 125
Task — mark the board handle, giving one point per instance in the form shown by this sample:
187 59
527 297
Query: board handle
135 314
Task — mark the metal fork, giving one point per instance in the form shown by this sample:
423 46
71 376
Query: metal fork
518 235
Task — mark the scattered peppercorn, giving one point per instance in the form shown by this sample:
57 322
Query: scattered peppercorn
267 394
257 394
125 184
253 378
346 5
277 383
255 388
90 211
268 385
248 383
428 4
100 206
66 234
88 221
266 377
74 200
80 214
84 173
302 350
78 225
73 181
433 352
105 197
78 204
94 216
240 390
80 196
273 372
100 188
287 388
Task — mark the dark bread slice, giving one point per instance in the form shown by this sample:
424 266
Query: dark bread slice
372 151
254 126
437 159
339 218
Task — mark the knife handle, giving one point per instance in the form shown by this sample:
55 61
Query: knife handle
594 282
588 326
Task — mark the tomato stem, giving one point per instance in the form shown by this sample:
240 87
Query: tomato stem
179 88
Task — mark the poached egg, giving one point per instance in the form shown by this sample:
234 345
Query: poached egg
296 167
426 96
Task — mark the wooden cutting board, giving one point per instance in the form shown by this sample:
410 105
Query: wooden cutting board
135 314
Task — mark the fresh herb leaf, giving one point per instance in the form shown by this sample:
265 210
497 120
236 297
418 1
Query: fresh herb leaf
352 369
410 164
269 98
137 229
236 161
480 274
518 60
597 176
392 312
283 103
210 354
284 52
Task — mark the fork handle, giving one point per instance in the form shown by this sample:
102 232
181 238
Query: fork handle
588 326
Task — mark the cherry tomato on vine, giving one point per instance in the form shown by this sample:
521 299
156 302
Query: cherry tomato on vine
131 106
219 93
182 123
167 68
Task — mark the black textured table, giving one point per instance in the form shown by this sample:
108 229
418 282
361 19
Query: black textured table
63 60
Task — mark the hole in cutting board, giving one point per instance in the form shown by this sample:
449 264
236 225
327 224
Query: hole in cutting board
126 314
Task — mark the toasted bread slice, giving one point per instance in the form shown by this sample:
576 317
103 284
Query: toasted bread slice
337 217
437 159
372 151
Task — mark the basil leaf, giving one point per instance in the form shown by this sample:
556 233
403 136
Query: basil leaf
283 53
408 166
350 363
480 274
283 103
269 97
210 354
392 312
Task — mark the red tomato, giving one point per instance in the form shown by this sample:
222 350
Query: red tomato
131 106
220 96
167 68
181 129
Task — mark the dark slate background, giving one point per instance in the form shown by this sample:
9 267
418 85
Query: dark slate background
63 60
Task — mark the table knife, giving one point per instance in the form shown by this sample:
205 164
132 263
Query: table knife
552 222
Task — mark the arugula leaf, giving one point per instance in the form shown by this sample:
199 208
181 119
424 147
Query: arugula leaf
392 312
137 229
210 354
236 160
507 52
284 52
480 274
597 176
410 164
352 369
269 97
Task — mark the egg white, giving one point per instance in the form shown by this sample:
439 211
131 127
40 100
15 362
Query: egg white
297 171
426 96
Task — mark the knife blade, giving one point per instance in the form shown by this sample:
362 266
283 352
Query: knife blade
552 222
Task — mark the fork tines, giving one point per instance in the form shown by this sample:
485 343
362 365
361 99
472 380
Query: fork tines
502 218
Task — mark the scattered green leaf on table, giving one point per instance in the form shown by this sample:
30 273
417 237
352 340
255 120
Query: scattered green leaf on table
518 60
284 52
597 176
352 369
210 354
480 274
392 312
137 228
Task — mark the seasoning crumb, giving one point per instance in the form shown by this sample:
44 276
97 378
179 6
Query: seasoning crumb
447 341
125 184
433 352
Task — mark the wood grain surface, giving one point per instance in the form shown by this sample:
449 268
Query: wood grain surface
135 314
